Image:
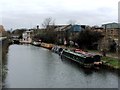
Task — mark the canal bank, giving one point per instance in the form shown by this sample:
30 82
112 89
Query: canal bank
110 62
4 45
36 67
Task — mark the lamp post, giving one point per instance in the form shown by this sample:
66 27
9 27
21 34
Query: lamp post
106 37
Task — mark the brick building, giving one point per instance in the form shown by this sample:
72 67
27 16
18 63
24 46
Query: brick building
110 31
2 30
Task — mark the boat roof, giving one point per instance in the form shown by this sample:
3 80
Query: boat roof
77 54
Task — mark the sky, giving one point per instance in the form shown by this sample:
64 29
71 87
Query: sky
30 13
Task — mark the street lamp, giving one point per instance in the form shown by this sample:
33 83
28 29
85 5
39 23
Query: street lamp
106 37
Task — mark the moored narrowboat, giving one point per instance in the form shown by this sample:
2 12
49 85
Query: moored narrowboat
57 49
35 43
46 45
96 57
83 60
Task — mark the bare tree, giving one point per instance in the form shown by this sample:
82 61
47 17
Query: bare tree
49 34
48 22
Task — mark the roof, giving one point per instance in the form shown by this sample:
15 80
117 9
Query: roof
74 28
60 28
111 26
28 31
80 55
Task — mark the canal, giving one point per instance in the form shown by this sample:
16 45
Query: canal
36 67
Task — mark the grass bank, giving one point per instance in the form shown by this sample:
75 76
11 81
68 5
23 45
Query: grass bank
111 62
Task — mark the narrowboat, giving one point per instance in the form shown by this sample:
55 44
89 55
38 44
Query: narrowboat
96 58
46 45
57 49
35 43
82 59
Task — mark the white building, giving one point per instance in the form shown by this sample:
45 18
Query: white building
27 37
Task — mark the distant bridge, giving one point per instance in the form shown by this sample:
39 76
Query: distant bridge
2 38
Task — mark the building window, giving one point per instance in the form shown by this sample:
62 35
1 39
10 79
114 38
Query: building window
111 31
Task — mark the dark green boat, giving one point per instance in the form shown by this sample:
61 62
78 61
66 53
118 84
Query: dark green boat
83 60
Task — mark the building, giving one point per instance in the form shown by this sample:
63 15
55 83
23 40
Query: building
27 37
2 30
110 34
111 30
66 33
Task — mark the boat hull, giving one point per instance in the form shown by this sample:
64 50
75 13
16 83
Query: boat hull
82 64
48 46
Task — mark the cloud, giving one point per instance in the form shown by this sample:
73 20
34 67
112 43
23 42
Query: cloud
28 13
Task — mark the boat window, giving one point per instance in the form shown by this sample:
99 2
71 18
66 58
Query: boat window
63 52
89 60
60 49
97 58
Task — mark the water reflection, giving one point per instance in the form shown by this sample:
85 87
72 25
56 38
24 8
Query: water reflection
35 67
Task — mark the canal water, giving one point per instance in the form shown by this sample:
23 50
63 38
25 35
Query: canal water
36 67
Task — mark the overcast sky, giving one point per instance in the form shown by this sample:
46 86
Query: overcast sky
29 13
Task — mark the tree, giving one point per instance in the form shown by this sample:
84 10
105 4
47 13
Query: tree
87 38
113 46
47 22
18 31
47 35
